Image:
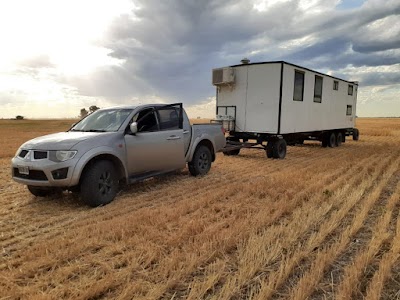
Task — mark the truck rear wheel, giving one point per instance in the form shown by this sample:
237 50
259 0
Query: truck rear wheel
99 184
279 149
201 162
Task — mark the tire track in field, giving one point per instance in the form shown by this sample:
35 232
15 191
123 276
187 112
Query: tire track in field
385 204
354 276
324 259
299 196
280 240
202 265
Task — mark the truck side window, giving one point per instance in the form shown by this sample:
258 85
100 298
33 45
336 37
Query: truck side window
146 120
169 118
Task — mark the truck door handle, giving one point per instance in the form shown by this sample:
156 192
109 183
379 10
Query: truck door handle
185 131
173 137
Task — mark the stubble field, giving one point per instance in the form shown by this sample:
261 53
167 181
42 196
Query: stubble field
321 224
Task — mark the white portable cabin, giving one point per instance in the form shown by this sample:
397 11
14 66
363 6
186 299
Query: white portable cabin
283 98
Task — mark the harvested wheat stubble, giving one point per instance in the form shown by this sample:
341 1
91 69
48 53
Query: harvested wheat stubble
322 223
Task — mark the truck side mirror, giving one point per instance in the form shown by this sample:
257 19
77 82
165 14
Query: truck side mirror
133 127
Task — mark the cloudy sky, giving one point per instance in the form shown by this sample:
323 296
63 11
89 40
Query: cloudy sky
57 57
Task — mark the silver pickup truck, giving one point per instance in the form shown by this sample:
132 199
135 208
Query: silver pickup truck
113 146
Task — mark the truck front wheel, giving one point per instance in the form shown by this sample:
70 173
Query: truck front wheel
99 184
201 162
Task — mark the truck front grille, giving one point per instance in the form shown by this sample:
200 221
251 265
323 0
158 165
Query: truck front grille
33 175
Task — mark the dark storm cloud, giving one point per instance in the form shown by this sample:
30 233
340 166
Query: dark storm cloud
381 78
168 48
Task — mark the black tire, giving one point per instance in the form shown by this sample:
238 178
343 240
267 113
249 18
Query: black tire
332 140
324 141
269 150
339 139
99 184
201 162
279 149
232 152
356 134
43 191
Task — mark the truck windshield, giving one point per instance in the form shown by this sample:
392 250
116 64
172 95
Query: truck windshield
106 120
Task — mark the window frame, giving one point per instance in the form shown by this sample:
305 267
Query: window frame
162 123
336 85
302 73
351 110
318 96
350 88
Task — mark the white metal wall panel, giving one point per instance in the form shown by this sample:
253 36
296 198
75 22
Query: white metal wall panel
262 109
256 94
307 115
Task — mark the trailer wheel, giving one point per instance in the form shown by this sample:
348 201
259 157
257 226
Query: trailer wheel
99 184
232 152
269 149
324 141
339 139
356 134
201 162
332 140
279 149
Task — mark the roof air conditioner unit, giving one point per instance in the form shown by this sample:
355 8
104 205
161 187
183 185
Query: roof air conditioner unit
223 76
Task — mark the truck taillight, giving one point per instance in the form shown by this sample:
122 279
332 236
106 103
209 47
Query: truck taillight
223 130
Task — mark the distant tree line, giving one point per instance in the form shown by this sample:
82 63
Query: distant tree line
85 112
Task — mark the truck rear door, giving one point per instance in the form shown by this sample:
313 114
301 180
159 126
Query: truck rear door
158 145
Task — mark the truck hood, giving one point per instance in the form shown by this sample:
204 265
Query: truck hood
59 141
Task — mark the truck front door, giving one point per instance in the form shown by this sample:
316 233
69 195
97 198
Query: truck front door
158 145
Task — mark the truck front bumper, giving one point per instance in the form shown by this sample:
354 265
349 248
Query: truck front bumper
44 172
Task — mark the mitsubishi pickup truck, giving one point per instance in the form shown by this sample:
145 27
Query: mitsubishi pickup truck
113 146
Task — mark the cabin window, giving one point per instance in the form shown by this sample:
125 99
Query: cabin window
169 118
318 89
349 110
335 85
350 91
298 86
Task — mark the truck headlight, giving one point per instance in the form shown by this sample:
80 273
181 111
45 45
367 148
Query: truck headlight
59 156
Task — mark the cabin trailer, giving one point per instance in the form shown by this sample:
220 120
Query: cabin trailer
278 103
